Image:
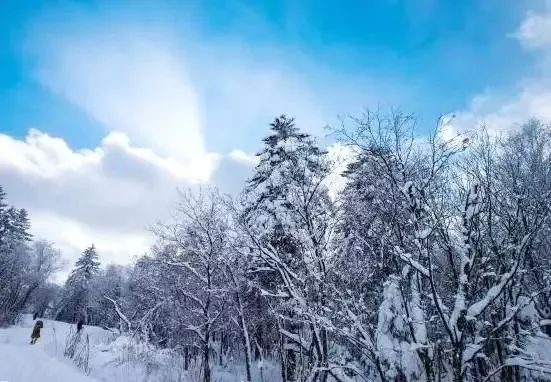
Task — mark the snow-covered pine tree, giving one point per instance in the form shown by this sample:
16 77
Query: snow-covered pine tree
15 227
75 304
22 225
265 192
15 260
288 217
3 206
367 208
283 148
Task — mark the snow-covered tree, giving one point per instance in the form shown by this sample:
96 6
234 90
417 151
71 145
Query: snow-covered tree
393 338
194 246
289 220
462 232
77 300
110 291
16 283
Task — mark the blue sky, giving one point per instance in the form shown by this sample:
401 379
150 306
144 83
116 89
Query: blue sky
427 56
107 107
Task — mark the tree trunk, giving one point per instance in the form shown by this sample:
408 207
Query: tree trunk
221 351
290 364
247 347
206 360
325 349
282 356
457 365
186 358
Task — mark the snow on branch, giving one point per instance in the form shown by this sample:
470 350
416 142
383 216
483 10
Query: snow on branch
279 294
120 313
295 338
477 308
186 265
406 257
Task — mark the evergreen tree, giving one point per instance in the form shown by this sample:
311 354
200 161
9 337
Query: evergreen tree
87 266
287 201
3 205
368 207
3 216
22 225
15 260
279 164
75 305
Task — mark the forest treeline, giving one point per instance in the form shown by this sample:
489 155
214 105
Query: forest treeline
432 263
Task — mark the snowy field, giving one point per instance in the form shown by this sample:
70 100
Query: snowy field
112 358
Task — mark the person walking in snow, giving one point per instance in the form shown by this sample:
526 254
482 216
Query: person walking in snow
36 331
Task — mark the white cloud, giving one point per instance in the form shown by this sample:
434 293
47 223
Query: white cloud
531 97
108 195
535 30
43 156
72 236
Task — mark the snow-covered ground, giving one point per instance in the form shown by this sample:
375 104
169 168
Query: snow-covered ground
22 362
112 358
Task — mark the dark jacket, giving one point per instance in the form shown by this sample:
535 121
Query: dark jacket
36 330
